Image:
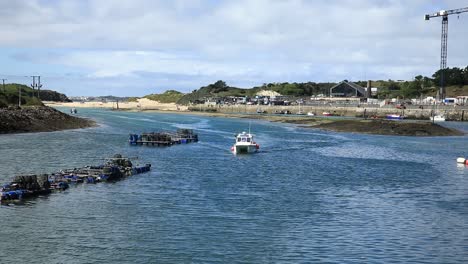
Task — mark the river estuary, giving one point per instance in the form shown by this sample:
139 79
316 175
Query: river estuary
307 196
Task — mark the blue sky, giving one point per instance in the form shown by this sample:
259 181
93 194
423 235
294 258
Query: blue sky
137 47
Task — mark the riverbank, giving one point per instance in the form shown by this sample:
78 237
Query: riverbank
369 126
364 126
38 119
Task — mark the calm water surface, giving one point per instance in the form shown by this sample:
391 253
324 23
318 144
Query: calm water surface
308 196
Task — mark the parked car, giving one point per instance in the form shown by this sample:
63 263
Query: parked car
400 106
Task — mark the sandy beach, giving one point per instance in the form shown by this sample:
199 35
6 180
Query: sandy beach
142 104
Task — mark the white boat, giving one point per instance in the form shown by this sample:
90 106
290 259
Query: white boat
437 118
310 114
245 144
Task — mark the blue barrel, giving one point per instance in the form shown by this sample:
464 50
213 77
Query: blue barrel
12 194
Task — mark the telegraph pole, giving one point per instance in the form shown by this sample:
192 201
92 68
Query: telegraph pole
39 85
4 90
19 95
36 85
33 83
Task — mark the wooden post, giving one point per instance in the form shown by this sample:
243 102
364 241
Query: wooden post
19 96
463 114
4 90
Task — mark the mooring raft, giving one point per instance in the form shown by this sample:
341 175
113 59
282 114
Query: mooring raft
27 186
181 136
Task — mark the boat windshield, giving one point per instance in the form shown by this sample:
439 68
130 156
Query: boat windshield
243 139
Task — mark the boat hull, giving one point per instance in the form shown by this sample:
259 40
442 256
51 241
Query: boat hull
437 118
395 117
245 149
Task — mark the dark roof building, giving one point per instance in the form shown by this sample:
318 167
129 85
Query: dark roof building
347 89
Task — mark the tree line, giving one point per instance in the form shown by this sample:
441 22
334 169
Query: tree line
423 85
419 86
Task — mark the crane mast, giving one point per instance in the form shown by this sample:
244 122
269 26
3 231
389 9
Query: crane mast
443 43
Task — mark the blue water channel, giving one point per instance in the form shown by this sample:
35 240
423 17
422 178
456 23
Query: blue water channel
309 196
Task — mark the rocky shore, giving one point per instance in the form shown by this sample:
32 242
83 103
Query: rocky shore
38 119
388 127
374 126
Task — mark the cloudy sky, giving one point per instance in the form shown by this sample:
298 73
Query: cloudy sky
137 47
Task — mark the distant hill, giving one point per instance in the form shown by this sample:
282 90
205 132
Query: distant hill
28 96
169 96
49 95
10 96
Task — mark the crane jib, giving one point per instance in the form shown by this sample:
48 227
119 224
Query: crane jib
447 13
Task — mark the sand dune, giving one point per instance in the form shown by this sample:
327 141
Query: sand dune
142 104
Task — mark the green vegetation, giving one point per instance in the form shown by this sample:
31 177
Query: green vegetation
132 99
221 89
170 96
49 95
455 79
10 96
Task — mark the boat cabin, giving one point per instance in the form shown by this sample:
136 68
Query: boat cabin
244 137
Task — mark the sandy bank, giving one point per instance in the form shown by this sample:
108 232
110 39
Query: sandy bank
143 104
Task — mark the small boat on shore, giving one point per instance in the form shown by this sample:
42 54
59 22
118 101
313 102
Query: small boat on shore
245 144
326 114
310 114
395 117
437 118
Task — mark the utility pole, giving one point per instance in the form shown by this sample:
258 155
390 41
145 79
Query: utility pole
33 83
37 85
4 90
19 95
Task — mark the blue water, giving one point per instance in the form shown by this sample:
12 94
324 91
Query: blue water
308 196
